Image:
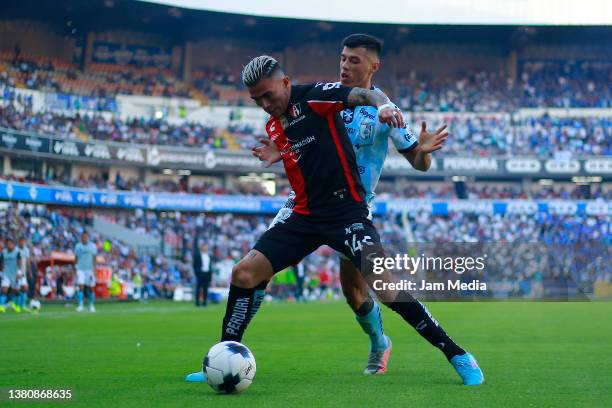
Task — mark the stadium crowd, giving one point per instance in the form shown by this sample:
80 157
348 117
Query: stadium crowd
480 135
101 80
148 131
539 84
47 230
478 190
231 236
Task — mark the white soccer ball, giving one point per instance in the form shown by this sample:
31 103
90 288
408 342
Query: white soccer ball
229 367
35 304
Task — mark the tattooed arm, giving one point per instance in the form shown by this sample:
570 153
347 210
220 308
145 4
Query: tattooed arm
387 112
366 97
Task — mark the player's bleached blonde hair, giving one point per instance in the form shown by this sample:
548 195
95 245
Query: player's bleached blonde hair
259 68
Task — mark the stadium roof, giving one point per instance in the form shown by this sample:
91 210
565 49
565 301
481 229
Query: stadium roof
174 26
470 12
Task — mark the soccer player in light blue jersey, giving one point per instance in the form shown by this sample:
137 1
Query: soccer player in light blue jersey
359 61
12 276
85 252
26 271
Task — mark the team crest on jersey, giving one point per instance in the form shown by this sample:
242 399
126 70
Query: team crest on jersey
295 110
347 115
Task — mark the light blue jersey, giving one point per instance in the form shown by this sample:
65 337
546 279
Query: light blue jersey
11 262
370 140
25 256
85 254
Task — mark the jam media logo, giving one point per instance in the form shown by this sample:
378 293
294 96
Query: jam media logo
295 110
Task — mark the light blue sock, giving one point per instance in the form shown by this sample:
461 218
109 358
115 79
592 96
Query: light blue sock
80 296
372 325
92 297
2 300
23 297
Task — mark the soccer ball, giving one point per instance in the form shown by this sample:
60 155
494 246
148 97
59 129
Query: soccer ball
229 367
35 304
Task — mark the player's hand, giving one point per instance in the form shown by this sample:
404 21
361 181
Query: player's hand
430 142
268 152
392 116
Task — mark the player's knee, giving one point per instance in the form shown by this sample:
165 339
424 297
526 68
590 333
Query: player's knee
243 276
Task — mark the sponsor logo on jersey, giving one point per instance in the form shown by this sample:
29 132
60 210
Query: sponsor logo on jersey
364 112
293 150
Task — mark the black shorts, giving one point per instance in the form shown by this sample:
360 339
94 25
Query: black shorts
291 239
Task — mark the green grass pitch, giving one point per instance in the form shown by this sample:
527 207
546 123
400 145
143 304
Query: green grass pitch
312 355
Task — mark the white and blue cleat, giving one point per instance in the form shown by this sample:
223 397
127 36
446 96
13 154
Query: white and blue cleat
196 377
468 369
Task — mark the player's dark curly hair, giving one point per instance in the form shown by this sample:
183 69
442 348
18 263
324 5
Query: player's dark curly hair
369 42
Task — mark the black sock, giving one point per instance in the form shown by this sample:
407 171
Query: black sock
260 294
417 315
237 312
365 308
242 304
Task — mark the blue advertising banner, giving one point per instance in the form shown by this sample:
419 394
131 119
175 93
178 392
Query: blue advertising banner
55 195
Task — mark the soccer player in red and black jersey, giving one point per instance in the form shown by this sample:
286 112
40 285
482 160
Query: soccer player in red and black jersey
330 202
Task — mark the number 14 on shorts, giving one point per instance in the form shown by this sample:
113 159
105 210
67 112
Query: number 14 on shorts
355 245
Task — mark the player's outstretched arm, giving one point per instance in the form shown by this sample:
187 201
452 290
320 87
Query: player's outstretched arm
420 157
387 112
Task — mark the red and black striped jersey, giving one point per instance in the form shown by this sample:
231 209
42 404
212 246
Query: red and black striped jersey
317 153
